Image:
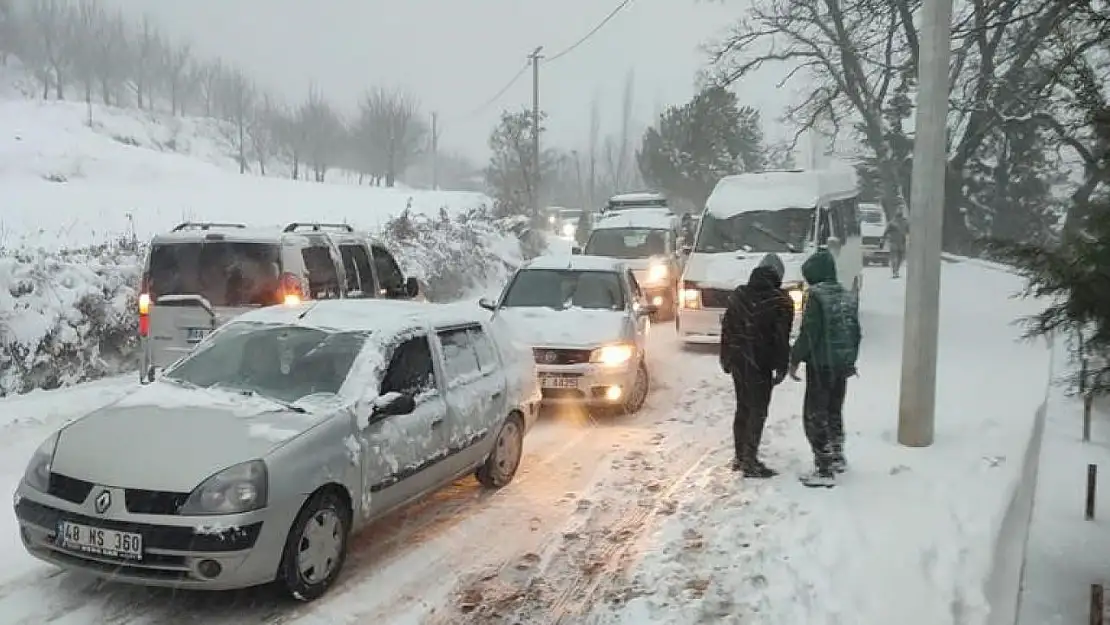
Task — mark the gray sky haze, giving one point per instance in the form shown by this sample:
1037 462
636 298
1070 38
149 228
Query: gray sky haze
455 54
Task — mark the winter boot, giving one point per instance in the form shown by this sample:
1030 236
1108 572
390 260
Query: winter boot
757 470
819 478
839 463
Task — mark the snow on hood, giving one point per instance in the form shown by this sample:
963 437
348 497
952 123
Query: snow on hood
728 270
571 327
161 439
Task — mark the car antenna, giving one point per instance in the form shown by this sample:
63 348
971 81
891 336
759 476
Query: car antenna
314 304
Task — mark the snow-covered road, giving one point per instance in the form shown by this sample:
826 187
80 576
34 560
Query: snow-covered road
619 512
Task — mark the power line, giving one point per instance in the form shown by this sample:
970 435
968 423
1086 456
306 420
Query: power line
503 91
620 7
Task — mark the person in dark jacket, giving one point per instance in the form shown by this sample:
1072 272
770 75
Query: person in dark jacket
895 235
755 351
828 343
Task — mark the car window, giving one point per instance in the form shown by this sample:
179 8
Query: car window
226 273
637 293
565 288
389 273
410 369
487 352
323 277
281 362
460 359
356 262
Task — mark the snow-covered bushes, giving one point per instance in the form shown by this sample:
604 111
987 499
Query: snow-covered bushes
70 317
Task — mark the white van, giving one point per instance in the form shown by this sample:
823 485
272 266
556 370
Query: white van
788 213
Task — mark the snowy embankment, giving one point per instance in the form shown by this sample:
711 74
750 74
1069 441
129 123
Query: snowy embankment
1066 553
909 535
79 202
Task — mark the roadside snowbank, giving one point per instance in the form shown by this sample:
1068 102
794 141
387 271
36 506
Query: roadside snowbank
908 535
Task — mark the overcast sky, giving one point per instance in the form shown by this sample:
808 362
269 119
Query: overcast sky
456 54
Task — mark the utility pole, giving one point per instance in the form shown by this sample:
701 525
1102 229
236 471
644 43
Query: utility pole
535 56
917 404
435 151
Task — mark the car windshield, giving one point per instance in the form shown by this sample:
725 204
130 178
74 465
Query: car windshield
570 214
780 231
627 242
565 288
226 273
281 362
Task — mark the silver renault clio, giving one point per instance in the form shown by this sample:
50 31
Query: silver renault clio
252 459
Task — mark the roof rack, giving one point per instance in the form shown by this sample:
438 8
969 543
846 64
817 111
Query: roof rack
317 227
206 225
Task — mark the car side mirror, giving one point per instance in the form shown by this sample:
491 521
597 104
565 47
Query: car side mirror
393 404
487 304
646 309
412 287
576 250
686 249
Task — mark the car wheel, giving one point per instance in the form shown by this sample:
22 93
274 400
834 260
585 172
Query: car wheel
638 395
316 547
503 461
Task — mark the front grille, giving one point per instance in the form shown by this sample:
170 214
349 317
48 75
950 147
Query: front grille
164 537
70 489
715 298
872 240
153 501
562 356
562 393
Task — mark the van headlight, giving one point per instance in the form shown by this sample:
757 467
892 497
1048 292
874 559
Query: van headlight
37 475
568 230
797 294
612 355
237 489
657 273
689 298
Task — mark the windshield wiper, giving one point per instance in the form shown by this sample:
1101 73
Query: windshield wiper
249 393
759 228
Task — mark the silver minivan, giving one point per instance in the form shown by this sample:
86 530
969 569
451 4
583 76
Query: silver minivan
202 274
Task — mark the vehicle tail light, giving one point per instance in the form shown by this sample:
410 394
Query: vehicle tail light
144 306
292 290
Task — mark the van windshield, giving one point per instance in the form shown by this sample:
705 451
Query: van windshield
781 231
226 273
871 217
627 243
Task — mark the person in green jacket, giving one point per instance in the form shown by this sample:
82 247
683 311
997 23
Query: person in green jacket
828 343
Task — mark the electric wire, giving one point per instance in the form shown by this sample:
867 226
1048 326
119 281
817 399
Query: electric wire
620 7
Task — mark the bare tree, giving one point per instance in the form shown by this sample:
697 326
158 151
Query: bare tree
208 77
9 30
237 95
323 131
51 26
177 62
260 130
148 47
595 133
390 131
89 20
110 55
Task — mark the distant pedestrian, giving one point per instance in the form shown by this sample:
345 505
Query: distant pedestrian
828 343
755 351
895 236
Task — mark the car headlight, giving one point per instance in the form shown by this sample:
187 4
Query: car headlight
568 230
657 273
237 489
689 298
551 219
37 475
612 355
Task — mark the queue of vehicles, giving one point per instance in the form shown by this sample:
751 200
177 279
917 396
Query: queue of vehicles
296 388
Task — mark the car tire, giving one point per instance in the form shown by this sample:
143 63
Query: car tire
503 461
640 389
323 514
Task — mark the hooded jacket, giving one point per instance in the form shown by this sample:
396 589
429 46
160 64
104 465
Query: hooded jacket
829 336
755 329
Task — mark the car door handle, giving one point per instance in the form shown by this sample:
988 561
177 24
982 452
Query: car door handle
437 422
497 395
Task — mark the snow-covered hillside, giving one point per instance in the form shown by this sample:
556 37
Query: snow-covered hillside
77 202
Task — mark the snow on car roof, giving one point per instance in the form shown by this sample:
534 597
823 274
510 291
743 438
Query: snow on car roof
775 190
251 234
373 315
639 196
575 263
650 218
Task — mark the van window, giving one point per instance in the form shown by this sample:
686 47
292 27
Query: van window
226 273
323 277
390 277
356 263
847 217
460 359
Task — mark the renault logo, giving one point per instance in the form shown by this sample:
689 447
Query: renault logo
550 356
102 502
